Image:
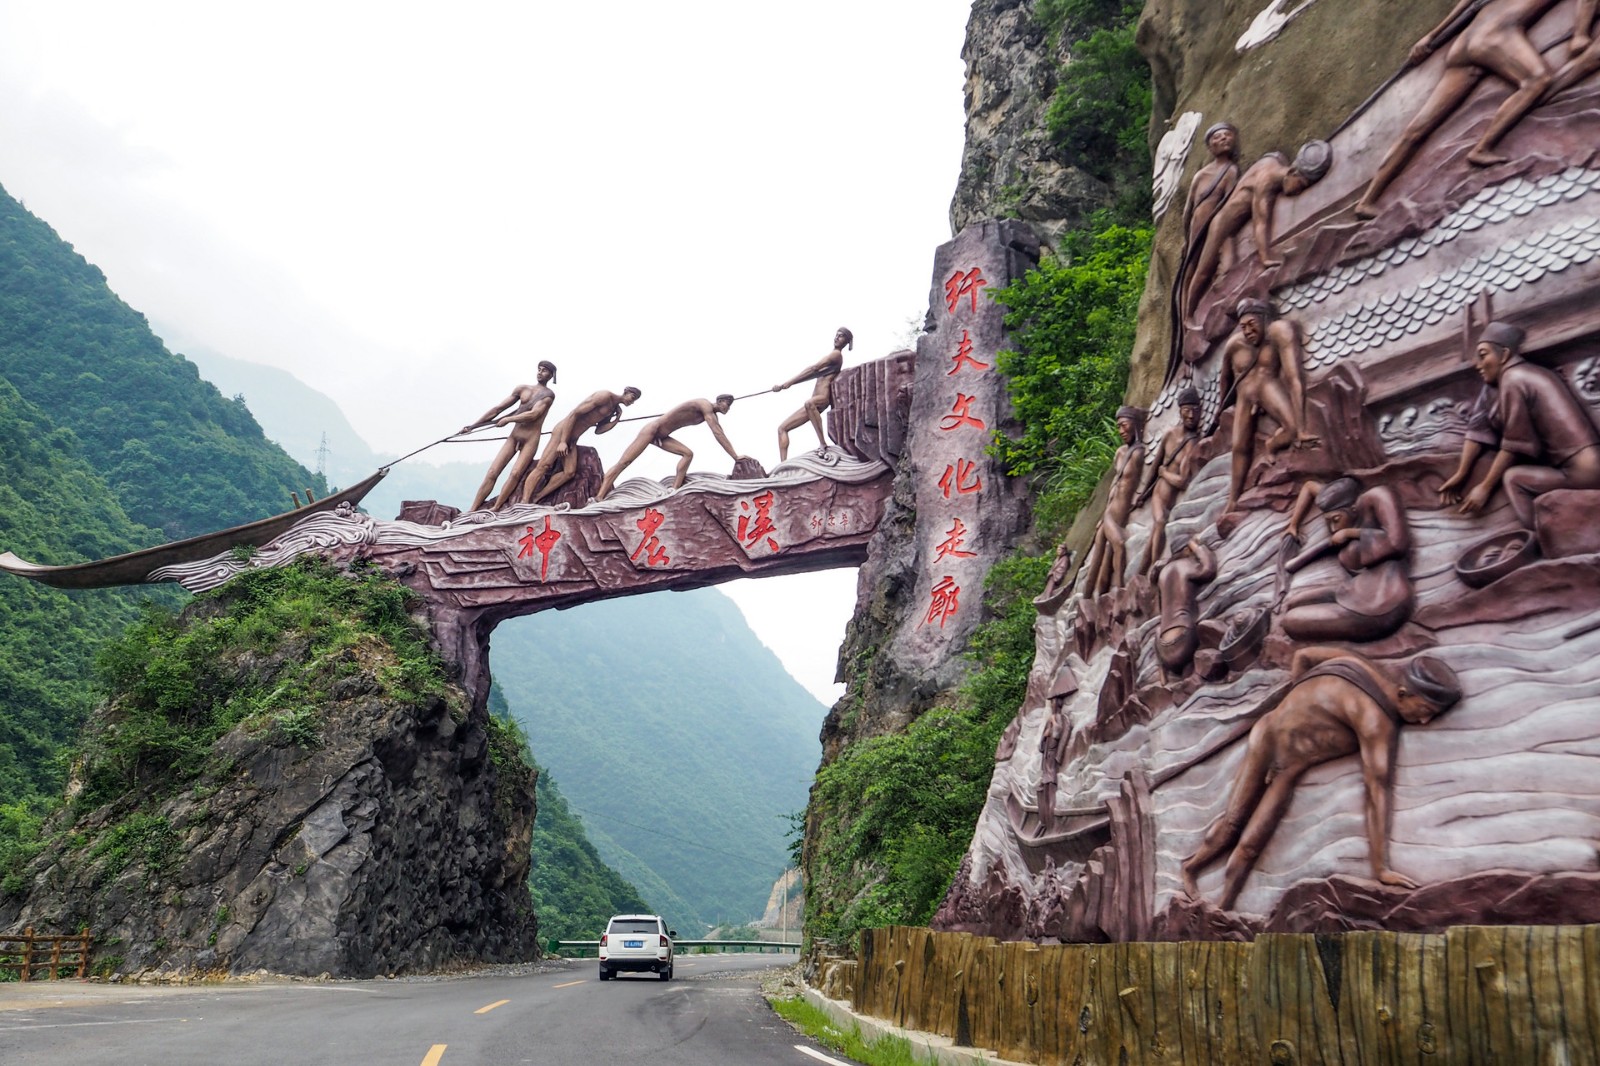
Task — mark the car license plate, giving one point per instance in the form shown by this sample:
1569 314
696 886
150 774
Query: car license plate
633 943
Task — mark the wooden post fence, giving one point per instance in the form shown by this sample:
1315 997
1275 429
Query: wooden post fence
1473 994
27 954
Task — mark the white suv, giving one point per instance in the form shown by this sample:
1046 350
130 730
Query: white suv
638 942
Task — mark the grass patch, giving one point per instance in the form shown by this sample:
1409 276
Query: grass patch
264 651
819 1026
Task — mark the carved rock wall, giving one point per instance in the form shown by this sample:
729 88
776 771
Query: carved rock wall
1495 805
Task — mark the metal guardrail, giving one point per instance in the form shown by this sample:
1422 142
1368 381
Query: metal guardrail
584 949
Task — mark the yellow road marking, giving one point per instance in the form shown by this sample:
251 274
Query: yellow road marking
492 1006
435 1053
569 984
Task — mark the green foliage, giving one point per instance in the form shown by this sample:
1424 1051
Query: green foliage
20 840
1100 113
53 509
900 807
300 726
262 650
1072 322
820 1026
147 837
1074 16
110 443
177 454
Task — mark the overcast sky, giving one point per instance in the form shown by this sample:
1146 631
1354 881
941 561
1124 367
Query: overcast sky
408 205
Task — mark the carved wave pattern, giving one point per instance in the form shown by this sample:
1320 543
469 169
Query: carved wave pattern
634 493
1416 430
1503 780
1500 203
316 533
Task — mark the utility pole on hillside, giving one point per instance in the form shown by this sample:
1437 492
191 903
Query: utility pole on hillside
322 456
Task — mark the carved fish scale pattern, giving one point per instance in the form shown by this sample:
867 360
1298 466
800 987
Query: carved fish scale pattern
1389 314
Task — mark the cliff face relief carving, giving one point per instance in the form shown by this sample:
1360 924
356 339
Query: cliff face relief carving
1384 507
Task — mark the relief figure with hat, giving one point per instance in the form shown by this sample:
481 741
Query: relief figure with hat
1191 567
1109 557
1369 534
1339 703
1252 203
1541 436
1053 746
1169 471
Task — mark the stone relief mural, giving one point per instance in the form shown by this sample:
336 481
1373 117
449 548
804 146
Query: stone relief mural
1334 662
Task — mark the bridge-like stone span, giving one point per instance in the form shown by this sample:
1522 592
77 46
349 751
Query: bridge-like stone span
940 404
475 570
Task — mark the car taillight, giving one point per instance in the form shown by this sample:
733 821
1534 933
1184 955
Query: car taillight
603 937
663 941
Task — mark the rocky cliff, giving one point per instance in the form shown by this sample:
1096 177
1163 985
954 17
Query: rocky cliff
283 780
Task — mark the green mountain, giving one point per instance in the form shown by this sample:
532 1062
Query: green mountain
574 891
110 443
176 454
678 738
299 417
54 509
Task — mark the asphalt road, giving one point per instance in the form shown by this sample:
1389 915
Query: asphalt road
711 1014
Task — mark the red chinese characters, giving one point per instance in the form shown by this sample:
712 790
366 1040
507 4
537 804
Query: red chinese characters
754 527
953 539
964 358
960 477
944 601
650 544
963 283
961 414
545 542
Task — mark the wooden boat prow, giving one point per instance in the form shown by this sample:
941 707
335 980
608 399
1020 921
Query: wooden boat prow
135 568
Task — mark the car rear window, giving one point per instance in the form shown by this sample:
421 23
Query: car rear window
634 927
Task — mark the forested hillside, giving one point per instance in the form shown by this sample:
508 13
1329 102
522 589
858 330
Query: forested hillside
54 508
110 443
678 737
574 891
176 453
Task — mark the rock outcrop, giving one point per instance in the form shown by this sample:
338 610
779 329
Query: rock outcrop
1010 168
375 831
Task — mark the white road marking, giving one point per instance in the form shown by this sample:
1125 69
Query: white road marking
78 1025
819 1056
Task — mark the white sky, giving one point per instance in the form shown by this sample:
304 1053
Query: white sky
407 205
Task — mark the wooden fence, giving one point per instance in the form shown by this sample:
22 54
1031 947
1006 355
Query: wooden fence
28 955
1475 994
